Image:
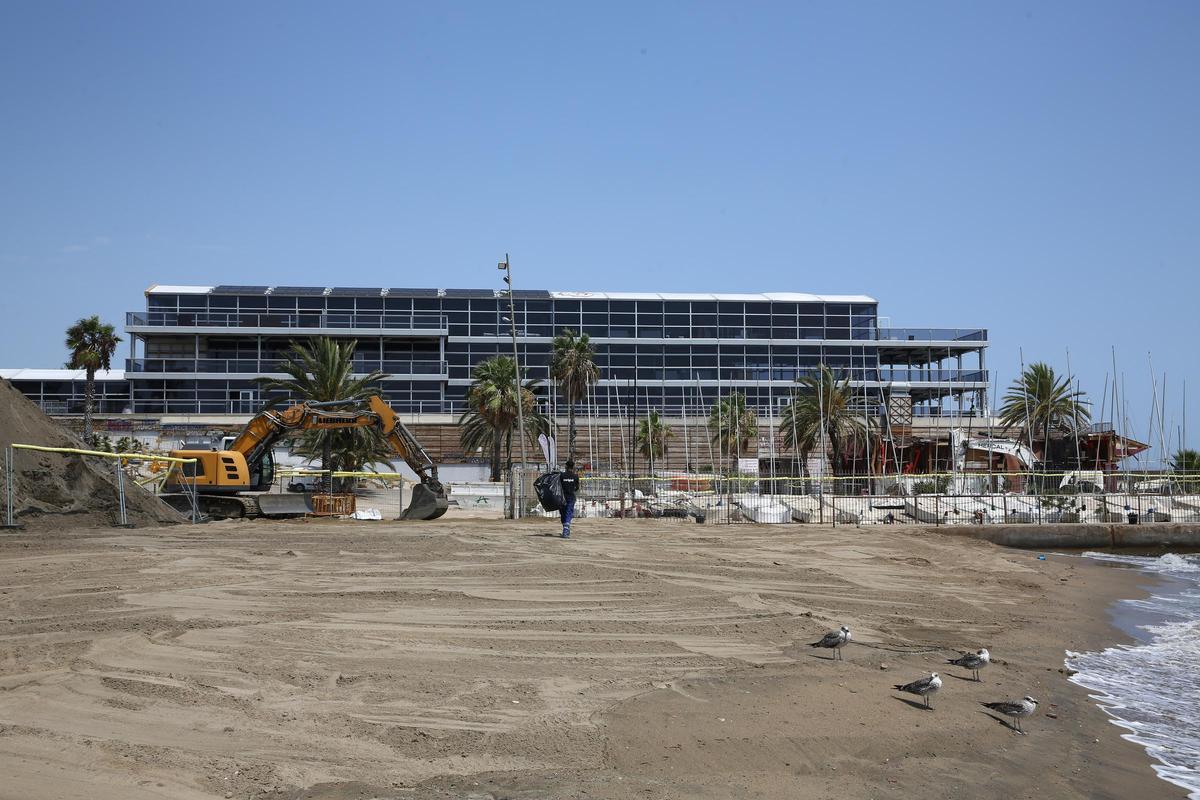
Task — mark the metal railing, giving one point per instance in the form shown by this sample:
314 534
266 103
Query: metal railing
919 375
925 500
932 334
288 320
252 366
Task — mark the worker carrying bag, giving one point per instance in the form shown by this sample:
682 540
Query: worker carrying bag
550 492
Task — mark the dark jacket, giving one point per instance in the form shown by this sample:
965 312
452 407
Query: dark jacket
570 484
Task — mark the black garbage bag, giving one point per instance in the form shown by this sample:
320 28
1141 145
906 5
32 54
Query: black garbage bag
550 492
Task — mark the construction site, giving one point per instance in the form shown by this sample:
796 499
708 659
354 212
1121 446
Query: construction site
466 656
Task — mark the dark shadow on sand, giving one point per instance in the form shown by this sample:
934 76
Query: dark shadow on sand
914 703
1010 725
949 674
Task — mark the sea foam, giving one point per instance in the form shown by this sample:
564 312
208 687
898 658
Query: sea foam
1152 689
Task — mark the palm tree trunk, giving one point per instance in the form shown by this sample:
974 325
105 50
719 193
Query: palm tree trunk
497 443
571 430
326 457
835 447
89 394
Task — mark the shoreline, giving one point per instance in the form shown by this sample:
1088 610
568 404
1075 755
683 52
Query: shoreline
1130 618
643 659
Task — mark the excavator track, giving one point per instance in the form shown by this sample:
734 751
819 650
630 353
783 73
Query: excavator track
215 506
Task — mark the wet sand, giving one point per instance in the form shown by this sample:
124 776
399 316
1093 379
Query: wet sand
479 658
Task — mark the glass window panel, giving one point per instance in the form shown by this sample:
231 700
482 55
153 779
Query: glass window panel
194 301
369 303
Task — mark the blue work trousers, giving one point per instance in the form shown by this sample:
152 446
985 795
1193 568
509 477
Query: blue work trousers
566 514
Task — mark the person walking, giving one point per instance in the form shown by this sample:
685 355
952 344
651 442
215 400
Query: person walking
570 485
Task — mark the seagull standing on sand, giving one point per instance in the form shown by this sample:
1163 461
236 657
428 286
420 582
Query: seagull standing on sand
972 661
836 640
922 688
1017 709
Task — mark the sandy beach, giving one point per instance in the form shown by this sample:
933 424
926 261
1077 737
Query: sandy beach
483 659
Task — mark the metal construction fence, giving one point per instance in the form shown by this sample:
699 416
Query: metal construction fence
941 499
118 459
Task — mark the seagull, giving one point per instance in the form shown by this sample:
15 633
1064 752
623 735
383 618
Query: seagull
972 661
835 639
923 687
1015 709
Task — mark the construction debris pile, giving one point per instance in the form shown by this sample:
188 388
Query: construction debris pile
47 486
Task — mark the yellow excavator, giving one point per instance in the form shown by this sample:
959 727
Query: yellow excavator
224 479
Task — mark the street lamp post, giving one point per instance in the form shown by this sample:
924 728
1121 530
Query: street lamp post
512 319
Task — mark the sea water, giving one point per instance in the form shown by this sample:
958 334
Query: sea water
1152 687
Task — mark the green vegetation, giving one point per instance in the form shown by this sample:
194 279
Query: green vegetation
573 366
1186 463
820 411
653 437
1041 400
732 425
487 425
320 370
92 344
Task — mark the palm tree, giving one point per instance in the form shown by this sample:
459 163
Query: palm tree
92 344
1187 464
573 365
351 449
820 412
1041 398
732 425
796 433
321 370
491 414
653 437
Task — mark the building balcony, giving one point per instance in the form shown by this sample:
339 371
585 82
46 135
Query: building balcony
932 335
220 367
921 375
329 323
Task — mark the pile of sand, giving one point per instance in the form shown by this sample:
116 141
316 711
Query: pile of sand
47 486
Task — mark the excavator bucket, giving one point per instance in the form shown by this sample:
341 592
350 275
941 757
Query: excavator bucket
427 502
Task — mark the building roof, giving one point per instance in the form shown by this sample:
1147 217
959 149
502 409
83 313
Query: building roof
59 375
778 297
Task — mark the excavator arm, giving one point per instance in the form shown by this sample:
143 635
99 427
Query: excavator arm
429 499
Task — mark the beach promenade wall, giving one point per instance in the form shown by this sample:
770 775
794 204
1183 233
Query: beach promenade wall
1076 535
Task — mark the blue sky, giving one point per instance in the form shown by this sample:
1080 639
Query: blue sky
1031 168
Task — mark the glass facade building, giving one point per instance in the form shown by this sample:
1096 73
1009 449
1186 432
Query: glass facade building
197 349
